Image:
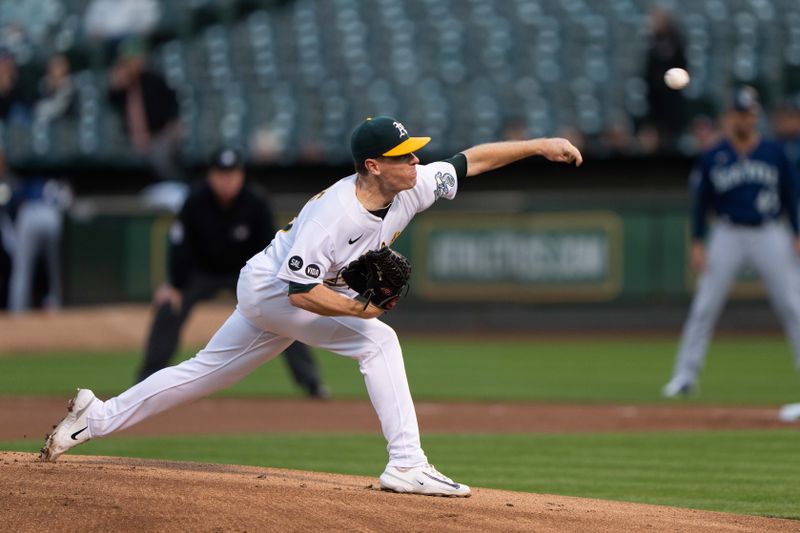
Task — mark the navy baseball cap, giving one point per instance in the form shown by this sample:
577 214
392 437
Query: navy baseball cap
745 98
383 136
226 159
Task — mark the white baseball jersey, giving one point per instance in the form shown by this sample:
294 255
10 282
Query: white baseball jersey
333 229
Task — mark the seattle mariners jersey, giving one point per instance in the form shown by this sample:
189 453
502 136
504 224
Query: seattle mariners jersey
744 190
333 228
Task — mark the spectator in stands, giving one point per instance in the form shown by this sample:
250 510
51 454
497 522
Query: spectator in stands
56 92
666 107
222 225
617 138
14 103
515 128
704 134
573 135
149 109
267 144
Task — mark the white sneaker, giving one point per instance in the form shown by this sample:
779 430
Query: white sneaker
421 480
71 431
677 387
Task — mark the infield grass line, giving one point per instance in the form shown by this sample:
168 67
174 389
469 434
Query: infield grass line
740 371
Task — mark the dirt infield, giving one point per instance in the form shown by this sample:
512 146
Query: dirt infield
111 327
125 327
111 494
81 493
31 417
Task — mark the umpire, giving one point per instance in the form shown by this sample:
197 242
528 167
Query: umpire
222 224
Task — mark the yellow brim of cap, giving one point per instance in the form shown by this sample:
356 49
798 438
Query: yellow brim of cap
412 144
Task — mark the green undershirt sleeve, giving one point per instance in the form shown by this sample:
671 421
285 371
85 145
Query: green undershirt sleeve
300 288
459 162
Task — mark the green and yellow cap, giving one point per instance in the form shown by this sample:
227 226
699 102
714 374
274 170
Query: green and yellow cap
383 136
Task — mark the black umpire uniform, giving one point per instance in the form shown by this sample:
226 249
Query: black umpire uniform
209 243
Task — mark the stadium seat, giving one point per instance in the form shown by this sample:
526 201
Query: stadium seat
305 71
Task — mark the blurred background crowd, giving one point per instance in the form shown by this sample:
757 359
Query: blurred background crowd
286 80
148 88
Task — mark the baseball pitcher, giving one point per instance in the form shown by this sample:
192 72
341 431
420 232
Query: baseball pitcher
297 289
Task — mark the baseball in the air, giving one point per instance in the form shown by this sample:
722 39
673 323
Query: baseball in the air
676 78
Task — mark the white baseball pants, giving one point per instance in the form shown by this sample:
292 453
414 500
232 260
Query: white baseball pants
262 326
769 249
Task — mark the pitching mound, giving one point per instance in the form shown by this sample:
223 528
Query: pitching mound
83 493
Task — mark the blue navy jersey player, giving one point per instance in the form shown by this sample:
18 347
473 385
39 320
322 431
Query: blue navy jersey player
749 184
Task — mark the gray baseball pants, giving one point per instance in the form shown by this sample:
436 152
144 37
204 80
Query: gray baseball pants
38 231
769 250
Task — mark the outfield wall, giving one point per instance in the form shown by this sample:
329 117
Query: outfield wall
547 248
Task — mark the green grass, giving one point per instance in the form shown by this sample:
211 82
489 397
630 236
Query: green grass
752 370
750 472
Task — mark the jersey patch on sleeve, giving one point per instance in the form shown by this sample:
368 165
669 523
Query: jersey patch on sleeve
295 263
444 182
313 270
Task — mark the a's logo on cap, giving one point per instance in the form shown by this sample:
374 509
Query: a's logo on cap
400 128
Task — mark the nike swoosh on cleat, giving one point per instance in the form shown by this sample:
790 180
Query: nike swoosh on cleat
352 241
454 485
74 436
420 482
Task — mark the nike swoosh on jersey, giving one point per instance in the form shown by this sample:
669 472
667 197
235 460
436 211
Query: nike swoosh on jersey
352 241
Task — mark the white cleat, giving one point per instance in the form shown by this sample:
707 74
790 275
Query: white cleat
678 387
789 412
421 480
71 431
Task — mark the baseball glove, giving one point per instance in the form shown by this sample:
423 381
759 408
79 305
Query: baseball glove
379 277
